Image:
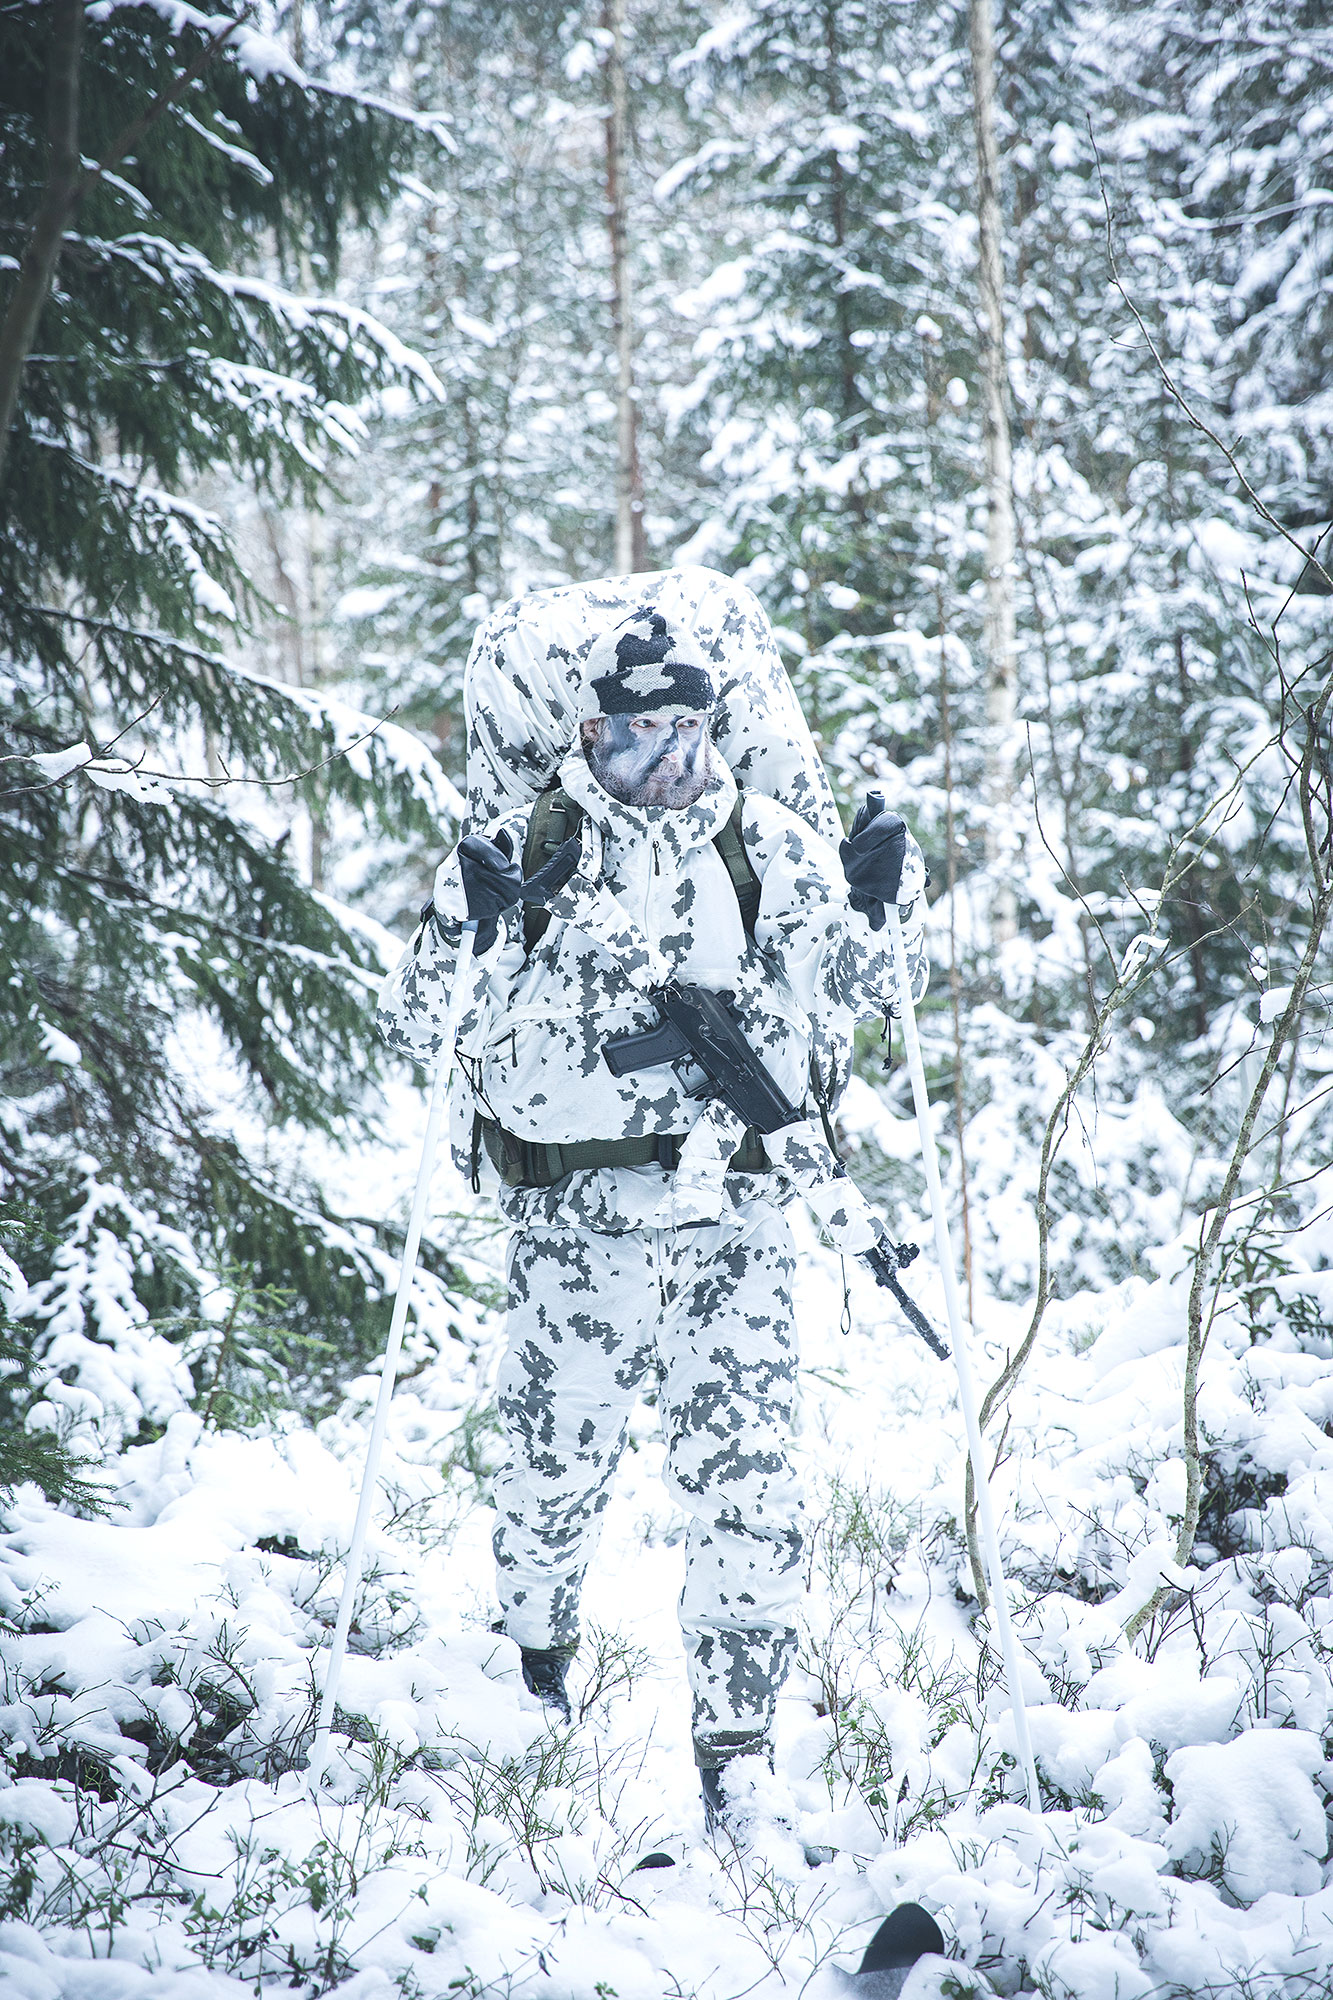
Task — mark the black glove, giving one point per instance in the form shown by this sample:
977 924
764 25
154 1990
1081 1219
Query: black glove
492 882
872 859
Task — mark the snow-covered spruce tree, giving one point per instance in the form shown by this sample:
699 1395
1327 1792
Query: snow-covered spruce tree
496 265
843 163
1155 618
177 1008
1155 579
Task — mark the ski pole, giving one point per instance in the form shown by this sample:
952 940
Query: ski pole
439 1094
967 1394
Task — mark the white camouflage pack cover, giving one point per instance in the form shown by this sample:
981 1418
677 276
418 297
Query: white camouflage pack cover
524 681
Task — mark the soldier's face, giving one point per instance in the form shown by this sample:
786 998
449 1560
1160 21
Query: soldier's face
649 760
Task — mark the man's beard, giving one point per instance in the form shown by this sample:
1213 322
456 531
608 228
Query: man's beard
630 769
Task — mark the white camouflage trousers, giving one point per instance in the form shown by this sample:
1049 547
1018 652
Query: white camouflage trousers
589 1315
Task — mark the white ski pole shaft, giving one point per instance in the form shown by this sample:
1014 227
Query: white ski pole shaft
439 1098
967 1394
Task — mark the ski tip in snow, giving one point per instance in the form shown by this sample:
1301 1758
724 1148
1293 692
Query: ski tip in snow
907 1934
654 1861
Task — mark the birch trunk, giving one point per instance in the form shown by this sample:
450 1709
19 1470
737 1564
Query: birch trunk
1001 663
630 553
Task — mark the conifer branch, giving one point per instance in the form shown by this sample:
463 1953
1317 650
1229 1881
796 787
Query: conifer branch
142 770
66 187
129 138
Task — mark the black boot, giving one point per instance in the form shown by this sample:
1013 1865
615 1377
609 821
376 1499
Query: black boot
715 1800
720 1812
544 1676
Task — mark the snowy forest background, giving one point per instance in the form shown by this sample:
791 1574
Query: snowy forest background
326 331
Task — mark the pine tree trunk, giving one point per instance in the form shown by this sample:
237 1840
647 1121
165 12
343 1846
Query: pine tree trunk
1001 663
630 553
64 179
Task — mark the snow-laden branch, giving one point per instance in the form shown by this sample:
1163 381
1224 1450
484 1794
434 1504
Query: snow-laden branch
157 257
263 57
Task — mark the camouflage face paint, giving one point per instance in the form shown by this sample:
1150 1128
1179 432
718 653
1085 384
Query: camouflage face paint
650 759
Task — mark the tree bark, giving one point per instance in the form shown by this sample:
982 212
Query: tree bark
630 553
1001 663
63 185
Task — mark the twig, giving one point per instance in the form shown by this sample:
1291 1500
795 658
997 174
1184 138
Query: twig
1317 845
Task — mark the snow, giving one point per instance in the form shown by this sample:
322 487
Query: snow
160 1663
366 601
59 1046
57 764
1184 1838
1249 1808
259 55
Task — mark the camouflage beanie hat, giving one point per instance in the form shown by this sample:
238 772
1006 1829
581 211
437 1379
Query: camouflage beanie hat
645 666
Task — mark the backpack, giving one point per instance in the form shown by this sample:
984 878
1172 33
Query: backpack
524 685
522 690
556 818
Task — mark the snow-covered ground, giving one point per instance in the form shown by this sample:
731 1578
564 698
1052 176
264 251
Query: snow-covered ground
159 1834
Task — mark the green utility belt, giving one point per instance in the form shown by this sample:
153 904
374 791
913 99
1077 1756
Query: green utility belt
527 1163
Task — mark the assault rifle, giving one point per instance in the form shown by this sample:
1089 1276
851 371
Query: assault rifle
706 1028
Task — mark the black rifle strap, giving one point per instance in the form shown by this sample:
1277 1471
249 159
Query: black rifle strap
915 1317
556 818
820 1095
730 844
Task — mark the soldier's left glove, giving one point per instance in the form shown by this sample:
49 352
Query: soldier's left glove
872 861
492 883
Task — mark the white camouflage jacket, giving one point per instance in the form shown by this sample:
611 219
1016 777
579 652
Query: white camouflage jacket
652 897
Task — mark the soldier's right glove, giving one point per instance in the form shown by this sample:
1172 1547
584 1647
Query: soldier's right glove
493 882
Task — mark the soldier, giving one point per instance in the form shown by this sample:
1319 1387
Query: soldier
649 1225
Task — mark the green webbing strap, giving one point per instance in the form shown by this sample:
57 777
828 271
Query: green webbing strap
730 844
533 1163
555 819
